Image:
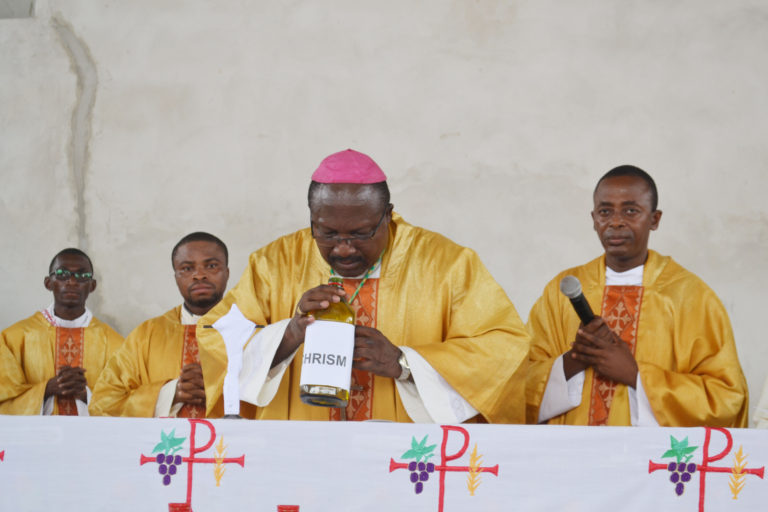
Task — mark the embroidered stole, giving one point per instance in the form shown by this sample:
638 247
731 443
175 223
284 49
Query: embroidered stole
69 352
360 406
189 355
621 312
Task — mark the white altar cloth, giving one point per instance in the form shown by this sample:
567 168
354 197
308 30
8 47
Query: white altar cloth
80 463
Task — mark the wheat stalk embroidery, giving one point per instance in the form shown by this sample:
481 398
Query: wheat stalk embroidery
737 473
473 476
218 467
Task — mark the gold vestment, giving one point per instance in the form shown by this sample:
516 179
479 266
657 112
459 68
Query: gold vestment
433 296
685 350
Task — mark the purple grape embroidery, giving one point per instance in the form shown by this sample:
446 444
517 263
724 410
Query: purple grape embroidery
682 469
420 469
167 459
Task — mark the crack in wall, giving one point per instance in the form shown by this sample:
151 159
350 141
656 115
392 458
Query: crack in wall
84 68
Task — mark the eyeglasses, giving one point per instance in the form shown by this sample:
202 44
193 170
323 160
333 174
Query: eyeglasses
63 275
324 240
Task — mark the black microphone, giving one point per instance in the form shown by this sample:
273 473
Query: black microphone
571 288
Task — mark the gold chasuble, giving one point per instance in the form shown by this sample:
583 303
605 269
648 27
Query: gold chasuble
33 350
151 356
432 295
681 339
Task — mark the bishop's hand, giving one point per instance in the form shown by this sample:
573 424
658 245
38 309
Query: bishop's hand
315 299
375 353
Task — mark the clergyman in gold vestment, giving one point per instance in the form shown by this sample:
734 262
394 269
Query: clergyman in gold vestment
49 363
661 350
437 339
158 371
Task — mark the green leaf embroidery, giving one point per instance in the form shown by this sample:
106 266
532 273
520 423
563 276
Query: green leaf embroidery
169 443
419 450
680 450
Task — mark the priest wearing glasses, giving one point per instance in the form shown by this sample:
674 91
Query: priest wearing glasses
436 338
50 361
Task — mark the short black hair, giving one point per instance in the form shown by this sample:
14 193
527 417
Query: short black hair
380 189
200 236
631 170
69 251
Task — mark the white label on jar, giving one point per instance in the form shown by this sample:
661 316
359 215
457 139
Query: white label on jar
328 348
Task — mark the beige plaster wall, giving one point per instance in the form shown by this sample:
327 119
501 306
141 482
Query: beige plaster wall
126 125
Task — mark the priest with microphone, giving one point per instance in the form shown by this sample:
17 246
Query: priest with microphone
658 350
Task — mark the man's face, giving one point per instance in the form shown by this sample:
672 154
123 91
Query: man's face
623 219
350 213
70 293
201 274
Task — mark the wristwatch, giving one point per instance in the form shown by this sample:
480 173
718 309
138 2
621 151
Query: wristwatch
405 370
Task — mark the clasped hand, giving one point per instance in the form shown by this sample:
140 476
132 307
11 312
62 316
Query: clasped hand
190 388
596 345
68 383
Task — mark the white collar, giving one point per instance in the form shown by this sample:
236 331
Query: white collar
187 317
82 321
631 277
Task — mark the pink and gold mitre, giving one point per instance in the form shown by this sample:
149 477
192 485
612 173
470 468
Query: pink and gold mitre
349 166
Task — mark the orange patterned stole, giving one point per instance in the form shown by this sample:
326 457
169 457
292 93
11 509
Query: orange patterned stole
621 312
69 352
189 355
360 406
